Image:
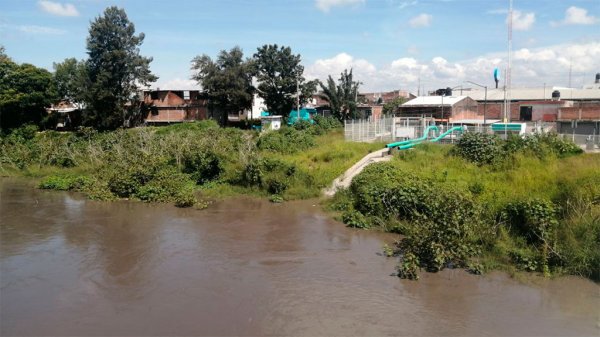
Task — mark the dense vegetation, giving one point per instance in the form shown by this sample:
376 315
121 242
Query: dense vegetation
527 203
180 162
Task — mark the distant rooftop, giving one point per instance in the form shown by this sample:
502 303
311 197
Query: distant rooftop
532 94
434 101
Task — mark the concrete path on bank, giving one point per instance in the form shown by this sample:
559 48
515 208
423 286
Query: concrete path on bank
344 180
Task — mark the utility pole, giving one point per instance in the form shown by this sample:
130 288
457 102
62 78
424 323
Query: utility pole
508 69
298 99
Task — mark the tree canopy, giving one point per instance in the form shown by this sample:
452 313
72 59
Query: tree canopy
392 106
279 74
227 81
69 77
115 70
341 96
25 93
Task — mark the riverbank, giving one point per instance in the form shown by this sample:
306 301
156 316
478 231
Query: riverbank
523 205
530 206
186 164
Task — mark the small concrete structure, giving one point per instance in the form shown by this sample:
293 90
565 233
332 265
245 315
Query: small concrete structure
271 122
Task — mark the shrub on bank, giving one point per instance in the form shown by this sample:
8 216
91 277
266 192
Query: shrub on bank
533 214
286 141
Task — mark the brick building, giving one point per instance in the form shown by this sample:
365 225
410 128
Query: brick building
441 108
173 106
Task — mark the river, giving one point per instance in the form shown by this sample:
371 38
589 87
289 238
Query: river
70 266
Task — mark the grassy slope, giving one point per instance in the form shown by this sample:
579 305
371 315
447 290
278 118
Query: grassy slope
324 162
523 178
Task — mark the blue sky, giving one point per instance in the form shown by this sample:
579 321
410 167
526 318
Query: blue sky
390 44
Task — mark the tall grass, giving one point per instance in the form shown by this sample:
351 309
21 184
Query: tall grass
559 199
295 164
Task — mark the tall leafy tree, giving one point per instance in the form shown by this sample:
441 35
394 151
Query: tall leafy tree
69 77
25 93
115 71
279 74
342 97
392 106
227 81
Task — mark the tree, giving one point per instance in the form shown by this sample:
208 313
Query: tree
115 70
392 106
341 97
69 78
25 93
279 74
227 81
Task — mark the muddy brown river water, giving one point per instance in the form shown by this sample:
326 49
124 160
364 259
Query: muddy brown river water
70 266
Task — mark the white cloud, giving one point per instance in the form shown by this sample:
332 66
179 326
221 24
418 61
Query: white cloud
522 21
531 67
577 16
541 55
326 5
178 84
31 29
56 8
405 4
421 20
336 65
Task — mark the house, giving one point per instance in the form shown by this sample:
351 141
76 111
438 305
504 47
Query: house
378 98
174 106
64 115
255 112
441 108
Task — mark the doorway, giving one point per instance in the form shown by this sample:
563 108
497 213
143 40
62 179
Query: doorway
525 113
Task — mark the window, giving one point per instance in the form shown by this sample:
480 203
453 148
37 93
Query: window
186 94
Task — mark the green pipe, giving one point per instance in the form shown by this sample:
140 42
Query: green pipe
410 141
456 128
417 142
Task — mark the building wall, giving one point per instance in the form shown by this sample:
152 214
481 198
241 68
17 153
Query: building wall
591 113
175 106
579 127
465 109
496 110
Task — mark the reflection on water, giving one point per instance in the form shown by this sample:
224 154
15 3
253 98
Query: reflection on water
244 267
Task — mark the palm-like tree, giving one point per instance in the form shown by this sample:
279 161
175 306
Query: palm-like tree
342 96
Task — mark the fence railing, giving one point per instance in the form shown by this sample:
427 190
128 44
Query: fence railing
369 130
391 129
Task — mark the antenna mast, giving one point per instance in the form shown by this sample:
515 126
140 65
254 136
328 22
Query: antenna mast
508 68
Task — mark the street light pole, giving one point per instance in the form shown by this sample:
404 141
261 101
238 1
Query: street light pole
484 103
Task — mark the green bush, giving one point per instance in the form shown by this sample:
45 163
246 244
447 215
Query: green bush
252 175
479 148
327 123
25 132
355 219
277 186
185 198
541 144
55 182
442 224
202 166
534 219
286 141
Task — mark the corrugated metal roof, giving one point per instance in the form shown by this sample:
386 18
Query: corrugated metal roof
533 94
434 101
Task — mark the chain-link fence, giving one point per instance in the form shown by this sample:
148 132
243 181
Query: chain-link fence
368 130
392 129
586 142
